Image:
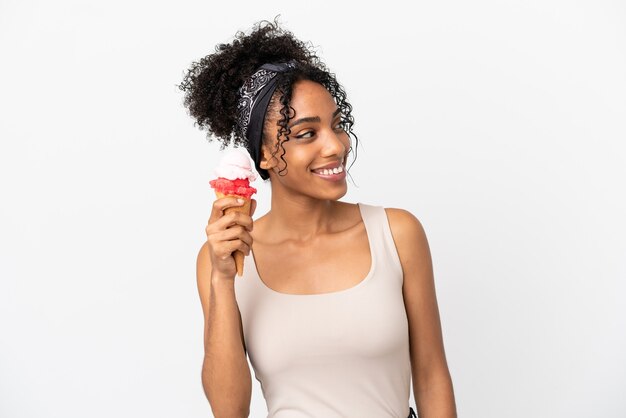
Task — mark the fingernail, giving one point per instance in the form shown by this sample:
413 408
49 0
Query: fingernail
239 201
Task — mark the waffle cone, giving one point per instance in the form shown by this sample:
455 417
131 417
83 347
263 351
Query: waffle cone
245 208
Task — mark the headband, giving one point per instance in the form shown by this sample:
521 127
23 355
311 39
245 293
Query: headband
254 98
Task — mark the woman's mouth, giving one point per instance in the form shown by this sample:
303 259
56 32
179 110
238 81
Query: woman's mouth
335 174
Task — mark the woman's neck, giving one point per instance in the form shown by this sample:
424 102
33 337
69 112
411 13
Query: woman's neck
300 219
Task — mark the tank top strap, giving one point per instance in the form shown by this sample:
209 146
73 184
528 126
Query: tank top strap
381 238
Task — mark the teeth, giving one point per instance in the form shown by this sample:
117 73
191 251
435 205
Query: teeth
328 172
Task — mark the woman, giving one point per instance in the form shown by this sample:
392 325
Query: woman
337 308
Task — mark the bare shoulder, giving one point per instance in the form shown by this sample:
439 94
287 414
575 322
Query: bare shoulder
410 239
404 225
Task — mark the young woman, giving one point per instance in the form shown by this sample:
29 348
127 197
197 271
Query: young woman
336 308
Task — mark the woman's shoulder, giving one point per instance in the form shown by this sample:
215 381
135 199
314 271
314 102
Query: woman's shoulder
408 234
400 218
406 229
404 225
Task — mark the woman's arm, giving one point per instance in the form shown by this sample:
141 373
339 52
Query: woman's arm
432 384
226 377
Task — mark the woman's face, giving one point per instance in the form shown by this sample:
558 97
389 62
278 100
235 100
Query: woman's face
317 139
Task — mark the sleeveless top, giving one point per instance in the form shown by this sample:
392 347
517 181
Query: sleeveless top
330 355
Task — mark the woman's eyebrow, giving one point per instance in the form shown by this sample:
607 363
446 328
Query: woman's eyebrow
306 119
312 119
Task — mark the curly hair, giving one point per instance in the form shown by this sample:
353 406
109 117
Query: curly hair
211 85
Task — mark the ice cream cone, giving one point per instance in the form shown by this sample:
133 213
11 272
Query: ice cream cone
233 176
245 208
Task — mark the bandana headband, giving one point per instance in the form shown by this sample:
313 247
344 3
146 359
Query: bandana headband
254 98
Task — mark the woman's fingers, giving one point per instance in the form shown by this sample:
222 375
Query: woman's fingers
233 218
222 204
237 232
226 248
228 231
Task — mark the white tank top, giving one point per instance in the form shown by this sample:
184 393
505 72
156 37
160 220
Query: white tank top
330 355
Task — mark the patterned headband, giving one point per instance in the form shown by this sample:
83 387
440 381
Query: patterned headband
254 98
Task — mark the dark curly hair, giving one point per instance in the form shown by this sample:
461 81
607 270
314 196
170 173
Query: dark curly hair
211 85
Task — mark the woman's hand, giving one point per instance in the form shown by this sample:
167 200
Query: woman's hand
228 231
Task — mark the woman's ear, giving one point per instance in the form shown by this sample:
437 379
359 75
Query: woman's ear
268 161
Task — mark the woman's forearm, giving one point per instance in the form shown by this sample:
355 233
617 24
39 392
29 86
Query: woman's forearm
434 396
226 375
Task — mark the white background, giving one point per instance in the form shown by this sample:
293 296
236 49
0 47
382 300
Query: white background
499 124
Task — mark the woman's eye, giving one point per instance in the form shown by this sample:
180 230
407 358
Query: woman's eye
340 126
304 135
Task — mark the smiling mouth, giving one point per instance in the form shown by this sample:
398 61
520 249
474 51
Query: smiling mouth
329 171
331 175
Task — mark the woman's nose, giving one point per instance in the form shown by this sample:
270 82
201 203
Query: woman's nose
334 144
